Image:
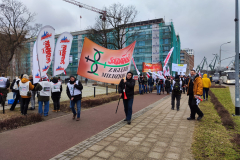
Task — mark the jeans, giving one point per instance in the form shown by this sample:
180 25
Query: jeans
24 105
46 107
78 102
15 101
14 94
128 108
177 97
141 86
150 88
33 99
205 90
56 103
193 107
158 89
145 88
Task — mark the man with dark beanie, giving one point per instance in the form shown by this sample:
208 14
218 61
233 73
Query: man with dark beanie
176 92
74 92
195 90
126 90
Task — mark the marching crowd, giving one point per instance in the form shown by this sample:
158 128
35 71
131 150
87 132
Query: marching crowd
25 91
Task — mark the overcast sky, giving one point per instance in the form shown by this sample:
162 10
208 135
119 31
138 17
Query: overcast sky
203 25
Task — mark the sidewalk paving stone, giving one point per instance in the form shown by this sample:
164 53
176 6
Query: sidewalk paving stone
156 132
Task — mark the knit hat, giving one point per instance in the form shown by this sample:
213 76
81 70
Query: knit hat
25 76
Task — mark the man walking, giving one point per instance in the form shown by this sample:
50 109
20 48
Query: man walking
140 83
194 92
126 90
4 84
206 85
176 92
74 92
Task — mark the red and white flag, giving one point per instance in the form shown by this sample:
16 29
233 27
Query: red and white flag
45 46
62 52
65 72
164 71
148 75
200 74
168 57
135 66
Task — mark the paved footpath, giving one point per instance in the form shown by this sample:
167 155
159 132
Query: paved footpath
47 139
156 132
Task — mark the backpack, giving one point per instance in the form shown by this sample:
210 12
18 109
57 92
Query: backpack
176 87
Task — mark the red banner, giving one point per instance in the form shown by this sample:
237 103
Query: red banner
146 67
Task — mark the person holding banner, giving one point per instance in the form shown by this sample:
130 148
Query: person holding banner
44 96
140 82
56 88
126 91
74 92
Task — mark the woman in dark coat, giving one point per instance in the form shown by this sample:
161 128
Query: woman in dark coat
126 87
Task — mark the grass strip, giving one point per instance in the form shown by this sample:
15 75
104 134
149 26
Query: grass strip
211 139
224 97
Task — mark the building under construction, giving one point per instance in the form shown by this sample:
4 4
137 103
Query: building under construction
154 40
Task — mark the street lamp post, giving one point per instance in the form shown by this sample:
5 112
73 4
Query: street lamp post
220 52
237 105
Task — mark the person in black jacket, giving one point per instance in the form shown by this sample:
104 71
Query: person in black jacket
126 86
167 85
4 85
56 90
150 84
141 85
74 92
15 90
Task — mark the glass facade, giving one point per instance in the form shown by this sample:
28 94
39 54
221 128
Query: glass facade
153 42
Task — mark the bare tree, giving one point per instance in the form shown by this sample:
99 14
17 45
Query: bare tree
16 28
99 32
115 30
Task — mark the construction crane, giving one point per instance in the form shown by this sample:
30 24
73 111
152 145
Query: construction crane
232 62
102 12
213 62
201 65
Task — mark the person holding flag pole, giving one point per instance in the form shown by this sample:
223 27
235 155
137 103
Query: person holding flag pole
126 92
